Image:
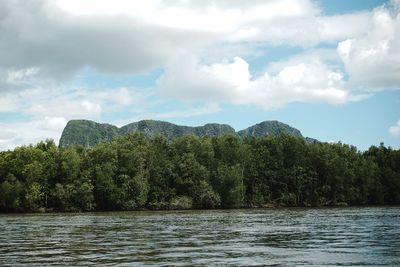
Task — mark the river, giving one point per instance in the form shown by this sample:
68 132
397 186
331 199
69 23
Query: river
277 237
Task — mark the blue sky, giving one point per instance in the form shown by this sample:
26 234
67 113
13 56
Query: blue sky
329 68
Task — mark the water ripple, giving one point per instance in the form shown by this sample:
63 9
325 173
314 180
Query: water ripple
274 237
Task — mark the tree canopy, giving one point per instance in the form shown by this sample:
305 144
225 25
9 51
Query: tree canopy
134 172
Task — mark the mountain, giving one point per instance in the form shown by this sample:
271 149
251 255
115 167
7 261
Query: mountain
269 127
89 133
310 140
86 133
170 130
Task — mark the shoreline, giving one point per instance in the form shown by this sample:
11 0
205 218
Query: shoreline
266 207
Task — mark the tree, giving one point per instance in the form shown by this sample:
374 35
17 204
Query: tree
188 174
102 168
229 185
132 191
74 196
205 197
160 169
134 171
34 197
10 194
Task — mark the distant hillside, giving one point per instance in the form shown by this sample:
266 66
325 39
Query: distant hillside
86 133
269 127
89 133
170 130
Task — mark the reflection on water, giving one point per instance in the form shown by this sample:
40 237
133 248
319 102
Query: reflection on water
284 237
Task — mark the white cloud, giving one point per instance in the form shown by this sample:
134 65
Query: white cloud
20 76
70 106
49 110
310 81
340 27
30 132
395 129
59 38
6 135
67 102
186 112
8 102
41 35
105 7
373 60
196 15
53 123
44 43
209 108
122 97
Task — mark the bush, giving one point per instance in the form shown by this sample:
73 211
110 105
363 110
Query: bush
205 197
181 203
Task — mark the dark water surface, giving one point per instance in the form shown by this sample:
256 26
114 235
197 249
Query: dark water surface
280 237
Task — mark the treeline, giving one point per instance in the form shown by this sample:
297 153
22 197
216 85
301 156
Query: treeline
135 172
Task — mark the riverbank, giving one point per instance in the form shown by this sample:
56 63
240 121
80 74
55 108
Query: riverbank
261 207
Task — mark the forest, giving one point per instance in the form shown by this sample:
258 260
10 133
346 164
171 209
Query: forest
136 172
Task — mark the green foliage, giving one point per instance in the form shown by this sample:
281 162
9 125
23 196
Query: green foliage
134 171
10 193
188 173
229 185
160 170
76 196
181 203
388 185
132 191
34 197
205 197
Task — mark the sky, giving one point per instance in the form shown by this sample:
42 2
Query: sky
329 68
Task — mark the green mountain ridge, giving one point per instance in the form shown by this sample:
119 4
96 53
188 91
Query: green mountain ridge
89 133
269 127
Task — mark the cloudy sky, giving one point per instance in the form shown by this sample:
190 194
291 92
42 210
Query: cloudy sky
329 68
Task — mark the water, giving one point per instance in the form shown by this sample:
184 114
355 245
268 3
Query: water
278 237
